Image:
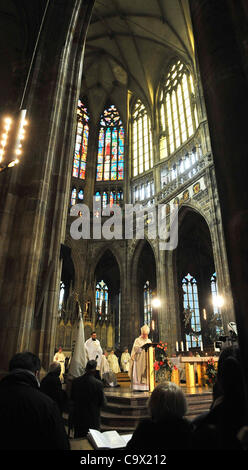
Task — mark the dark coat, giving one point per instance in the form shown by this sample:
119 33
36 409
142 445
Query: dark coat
170 434
218 429
51 386
88 398
29 420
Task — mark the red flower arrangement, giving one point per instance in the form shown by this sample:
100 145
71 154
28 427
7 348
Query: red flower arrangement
211 371
162 366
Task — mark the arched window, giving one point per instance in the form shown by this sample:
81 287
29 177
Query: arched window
216 301
81 146
73 196
177 109
61 295
110 159
76 196
81 194
101 301
147 303
191 306
214 290
141 140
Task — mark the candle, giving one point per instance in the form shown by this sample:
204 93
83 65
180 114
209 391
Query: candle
182 348
177 349
201 346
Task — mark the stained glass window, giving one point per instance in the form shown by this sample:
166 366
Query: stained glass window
141 140
81 146
73 196
216 308
147 303
81 194
101 300
191 307
110 159
177 109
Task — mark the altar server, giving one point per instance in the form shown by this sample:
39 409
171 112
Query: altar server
94 351
113 362
125 360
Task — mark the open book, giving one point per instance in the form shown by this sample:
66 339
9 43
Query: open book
108 439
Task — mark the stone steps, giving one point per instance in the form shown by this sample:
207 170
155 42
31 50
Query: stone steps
123 411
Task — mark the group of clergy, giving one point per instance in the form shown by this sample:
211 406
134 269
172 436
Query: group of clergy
108 363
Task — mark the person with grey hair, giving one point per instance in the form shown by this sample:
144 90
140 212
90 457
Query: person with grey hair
29 419
167 428
138 364
51 385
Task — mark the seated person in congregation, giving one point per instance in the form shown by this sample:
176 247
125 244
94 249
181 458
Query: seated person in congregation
219 428
30 420
166 429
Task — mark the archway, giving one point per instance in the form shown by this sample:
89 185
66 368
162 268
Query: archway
107 315
199 317
144 286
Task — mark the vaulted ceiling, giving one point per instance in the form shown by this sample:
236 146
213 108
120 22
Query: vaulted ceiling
129 45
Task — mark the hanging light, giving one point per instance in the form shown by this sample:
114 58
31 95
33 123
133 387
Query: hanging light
156 302
218 301
12 137
13 132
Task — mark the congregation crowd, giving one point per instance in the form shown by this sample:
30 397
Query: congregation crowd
34 409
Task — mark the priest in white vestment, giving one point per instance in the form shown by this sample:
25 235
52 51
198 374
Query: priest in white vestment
113 362
125 360
138 368
60 358
108 377
94 351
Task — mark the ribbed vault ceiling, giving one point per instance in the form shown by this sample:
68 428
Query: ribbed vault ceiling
129 44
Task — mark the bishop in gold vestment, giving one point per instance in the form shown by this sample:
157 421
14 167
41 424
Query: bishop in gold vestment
138 366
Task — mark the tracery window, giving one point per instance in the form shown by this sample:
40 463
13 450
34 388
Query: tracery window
141 139
76 196
147 303
191 306
102 300
110 159
177 109
216 307
81 145
111 197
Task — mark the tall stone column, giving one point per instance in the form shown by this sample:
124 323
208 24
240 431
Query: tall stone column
224 79
35 210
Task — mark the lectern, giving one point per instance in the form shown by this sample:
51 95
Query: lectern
150 359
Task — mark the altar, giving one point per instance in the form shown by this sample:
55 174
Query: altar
195 369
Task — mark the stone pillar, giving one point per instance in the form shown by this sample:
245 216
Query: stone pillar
33 216
222 66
